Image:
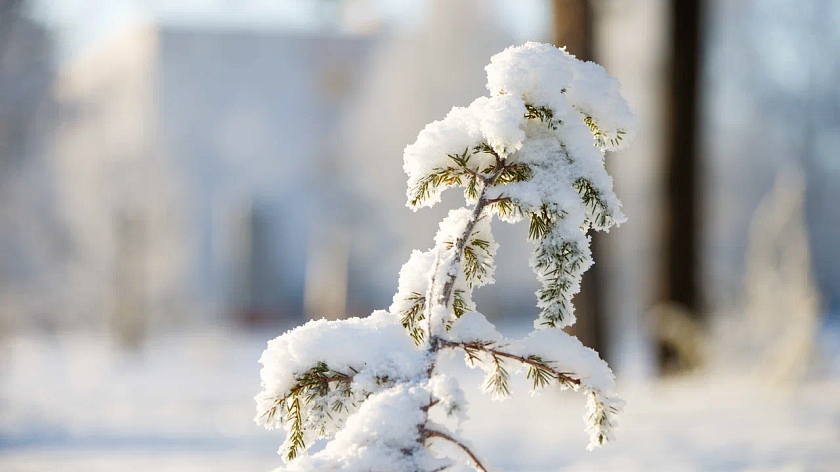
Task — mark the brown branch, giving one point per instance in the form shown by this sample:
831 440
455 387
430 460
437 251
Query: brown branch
483 178
430 433
430 291
498 200
431 404
485 347
343 379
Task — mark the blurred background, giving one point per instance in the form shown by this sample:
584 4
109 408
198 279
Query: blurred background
181 181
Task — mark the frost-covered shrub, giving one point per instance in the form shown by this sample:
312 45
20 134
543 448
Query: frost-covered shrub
533 150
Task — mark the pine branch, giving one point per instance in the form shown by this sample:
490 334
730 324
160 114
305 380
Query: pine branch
477 259
514 173
593 199
309 386
296 432
450 177
511 173
600 417
411 318
446 293
497 383
471 349
459 305
543 220
538 373
422 190
601 137
543 114
560 263
505 207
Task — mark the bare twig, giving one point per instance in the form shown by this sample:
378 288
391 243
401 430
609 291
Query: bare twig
430 433
498 200
431 404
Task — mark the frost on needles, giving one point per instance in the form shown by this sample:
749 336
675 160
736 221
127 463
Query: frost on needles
532 150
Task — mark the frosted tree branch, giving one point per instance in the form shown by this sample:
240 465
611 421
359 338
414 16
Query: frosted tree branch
534 149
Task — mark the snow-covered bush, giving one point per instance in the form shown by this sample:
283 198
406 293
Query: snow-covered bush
533 150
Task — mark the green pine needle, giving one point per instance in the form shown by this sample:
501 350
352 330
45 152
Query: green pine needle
543 114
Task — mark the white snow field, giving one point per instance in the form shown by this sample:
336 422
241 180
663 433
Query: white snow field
185 403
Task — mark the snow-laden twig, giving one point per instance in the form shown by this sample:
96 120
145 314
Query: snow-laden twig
531 361
430 433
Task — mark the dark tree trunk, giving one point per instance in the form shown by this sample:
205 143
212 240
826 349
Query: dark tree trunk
681 274
573 28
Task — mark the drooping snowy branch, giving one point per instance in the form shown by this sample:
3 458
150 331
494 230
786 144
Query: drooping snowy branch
548 357
316 375
534 149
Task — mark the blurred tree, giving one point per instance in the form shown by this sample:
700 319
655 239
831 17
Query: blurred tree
573 27
28 231
681 275
25 79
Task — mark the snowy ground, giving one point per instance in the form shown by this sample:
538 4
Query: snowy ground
185 404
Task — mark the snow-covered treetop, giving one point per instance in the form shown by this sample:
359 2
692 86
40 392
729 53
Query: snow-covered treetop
533 149
549 119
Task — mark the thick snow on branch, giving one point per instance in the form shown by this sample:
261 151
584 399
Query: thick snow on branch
548 357
315 375
496 121
544 75
385 435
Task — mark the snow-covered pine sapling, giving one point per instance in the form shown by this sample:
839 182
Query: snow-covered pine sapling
533 150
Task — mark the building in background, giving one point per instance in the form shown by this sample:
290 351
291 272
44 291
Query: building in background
218 174
192 173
